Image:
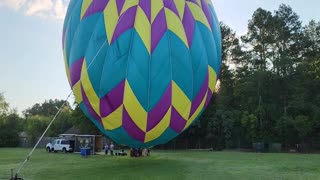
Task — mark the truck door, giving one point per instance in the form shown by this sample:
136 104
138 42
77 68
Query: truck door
57 145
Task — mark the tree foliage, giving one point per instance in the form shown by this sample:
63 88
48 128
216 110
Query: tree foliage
10 125
269 83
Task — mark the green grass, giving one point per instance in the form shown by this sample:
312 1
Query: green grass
167 165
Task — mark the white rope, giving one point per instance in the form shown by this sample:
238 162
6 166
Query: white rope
55 116
35 146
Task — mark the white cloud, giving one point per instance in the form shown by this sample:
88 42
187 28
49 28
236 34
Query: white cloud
43 8
14 4
60 9
37 6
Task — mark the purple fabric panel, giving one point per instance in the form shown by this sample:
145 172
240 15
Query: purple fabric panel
96 6
160 110
177 122
132 129
197 100
206 11
146 7
75 71
188 24
120 5
158 28
125 22
172 6
89 107
209 95
111 101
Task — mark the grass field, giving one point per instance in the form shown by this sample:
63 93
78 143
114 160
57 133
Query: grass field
177 165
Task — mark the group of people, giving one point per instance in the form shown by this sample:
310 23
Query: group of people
134 152
109 147
138 152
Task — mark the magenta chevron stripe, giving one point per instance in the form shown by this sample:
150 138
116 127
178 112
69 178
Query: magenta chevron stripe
111 101
177 122
96 6
89 107
209 95
198 99
158 28
125 22
188 24
172 6
120 4
75 71
146 7
133 130
160 110
206 11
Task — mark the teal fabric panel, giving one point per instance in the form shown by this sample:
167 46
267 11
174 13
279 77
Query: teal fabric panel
160 71
96 53
71 28
181 64
199 60
115 63
138 69
82 38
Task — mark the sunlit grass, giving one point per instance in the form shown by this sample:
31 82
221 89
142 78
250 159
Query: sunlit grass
165 165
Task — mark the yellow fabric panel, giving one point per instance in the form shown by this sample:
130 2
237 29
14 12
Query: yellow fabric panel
176 26
196 113
143 27
110 18
88 89
180 101
113 120
134 108
127 4
198 14
160 128
212 79
77 92
199 3
180 5
85 6
156 6
66 65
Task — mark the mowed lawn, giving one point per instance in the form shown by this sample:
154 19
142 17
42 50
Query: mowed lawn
164 165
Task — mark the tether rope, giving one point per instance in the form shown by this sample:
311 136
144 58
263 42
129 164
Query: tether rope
54 118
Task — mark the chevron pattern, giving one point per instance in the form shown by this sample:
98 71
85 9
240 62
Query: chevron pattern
142 70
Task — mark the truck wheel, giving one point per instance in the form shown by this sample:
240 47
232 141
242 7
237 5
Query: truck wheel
48 149
64 150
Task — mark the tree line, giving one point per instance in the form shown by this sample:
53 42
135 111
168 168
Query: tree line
269 85
268 91
36 118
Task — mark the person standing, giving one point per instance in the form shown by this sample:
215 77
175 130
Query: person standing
106 148
111 149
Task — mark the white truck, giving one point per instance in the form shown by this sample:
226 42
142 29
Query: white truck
59 145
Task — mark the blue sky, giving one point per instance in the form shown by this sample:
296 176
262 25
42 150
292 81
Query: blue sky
31 63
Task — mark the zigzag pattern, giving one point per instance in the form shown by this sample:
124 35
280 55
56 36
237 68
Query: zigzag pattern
153 65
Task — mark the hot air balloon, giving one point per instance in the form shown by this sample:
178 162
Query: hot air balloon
142 70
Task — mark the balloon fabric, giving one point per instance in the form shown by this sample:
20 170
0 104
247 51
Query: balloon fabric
142 70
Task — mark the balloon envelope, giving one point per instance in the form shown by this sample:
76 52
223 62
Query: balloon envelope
142 70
